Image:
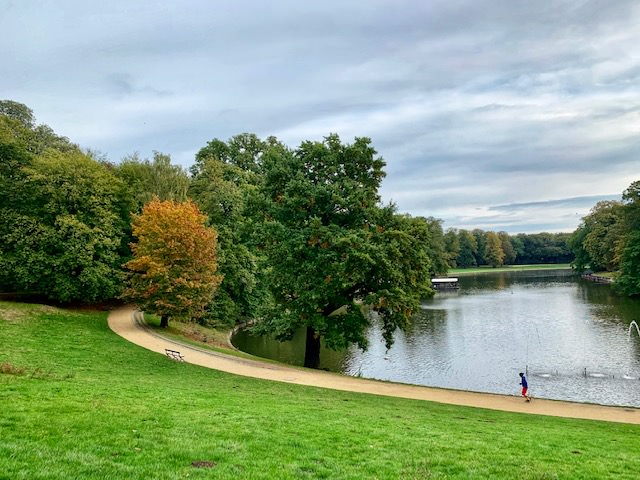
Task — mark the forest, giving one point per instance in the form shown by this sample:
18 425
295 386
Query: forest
293 234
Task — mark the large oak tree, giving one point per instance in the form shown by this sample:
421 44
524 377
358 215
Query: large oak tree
332 252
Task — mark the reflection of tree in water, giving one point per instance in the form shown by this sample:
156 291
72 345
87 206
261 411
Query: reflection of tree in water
606 305
429 321
290 351
502 280
427 329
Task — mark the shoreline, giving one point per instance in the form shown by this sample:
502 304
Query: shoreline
122 322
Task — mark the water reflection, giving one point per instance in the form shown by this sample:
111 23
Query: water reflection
570 335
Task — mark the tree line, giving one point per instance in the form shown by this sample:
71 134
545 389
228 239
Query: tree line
608 239
297 237
466 249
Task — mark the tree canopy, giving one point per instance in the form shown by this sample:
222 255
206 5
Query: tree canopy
608 238
61 232
173 272
330 248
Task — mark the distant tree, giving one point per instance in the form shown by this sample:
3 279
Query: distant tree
34 139
507 248
518 248
628 281
330 248
452 247
536 248
436 248
481 246
468 249
147 179
18 112
604 235
173 272
631 206
581 260
494 255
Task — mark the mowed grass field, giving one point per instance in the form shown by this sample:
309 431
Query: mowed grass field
77 401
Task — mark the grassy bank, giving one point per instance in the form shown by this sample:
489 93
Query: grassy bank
509 268
79 402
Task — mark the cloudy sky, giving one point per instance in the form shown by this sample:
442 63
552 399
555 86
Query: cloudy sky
497 114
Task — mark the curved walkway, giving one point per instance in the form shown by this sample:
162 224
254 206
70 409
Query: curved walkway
123 321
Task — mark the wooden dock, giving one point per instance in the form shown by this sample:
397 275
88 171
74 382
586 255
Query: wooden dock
448 283
596 278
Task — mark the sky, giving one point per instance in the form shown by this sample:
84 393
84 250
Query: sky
497 114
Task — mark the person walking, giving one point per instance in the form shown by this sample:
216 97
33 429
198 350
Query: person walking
525 387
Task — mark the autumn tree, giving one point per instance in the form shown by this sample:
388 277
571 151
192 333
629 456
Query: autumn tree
507 248
173 272
494 255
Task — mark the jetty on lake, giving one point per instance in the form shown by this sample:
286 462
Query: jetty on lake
597 278
448 283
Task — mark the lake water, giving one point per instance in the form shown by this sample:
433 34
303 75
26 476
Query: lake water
570 335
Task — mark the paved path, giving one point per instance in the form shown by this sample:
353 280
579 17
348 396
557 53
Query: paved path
124 322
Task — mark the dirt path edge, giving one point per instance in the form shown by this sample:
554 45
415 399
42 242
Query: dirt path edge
126 322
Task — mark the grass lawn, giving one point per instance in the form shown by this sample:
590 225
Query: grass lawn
77 401
509 268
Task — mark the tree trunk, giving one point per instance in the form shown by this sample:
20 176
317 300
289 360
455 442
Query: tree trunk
312 350
164 321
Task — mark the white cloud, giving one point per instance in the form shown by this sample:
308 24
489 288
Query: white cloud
472 104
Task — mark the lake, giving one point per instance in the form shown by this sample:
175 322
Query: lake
571 336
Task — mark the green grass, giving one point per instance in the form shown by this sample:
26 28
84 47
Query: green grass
77 401
509 268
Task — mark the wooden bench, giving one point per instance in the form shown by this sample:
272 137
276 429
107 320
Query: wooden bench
174 355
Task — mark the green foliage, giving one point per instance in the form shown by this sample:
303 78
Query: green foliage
329 247
599 236
60 234
631 202
542 247
628 282
148 179
18 112
481 246
582 260
609 239
605 231
468 248
452 247
436 246
224 178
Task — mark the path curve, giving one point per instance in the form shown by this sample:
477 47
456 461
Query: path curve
123 321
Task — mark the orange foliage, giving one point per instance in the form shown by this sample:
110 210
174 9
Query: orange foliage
173 272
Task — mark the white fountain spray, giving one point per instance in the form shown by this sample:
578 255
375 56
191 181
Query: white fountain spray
631 325
634 323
